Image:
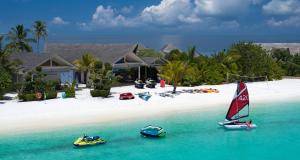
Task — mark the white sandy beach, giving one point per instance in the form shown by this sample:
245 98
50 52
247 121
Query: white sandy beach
27 116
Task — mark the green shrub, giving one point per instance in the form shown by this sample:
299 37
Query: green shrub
28 97
51 95
5 81
100 93
70 90
53 85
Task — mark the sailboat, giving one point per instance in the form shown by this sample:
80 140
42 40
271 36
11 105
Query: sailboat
239 108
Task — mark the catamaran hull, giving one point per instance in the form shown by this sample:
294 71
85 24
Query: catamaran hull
239 126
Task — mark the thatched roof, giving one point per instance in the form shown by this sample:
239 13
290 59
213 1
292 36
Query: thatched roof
29 60
109 53
105 52
168 48
294 48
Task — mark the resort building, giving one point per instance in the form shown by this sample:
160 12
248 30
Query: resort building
293 48
57 61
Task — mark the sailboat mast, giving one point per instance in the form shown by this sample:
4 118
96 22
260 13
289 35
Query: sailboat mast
237 108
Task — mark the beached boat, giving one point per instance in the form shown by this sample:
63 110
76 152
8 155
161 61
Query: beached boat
239 108
88 141
153 131
139 84
150 83
145 96
125 96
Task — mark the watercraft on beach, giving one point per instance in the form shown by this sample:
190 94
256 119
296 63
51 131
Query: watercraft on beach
150 83
145 96
239 108
127 95
88 141
139 84
153 131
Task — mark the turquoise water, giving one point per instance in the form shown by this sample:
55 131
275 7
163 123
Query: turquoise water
190 136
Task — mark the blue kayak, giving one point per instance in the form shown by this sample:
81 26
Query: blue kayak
153 131
145 96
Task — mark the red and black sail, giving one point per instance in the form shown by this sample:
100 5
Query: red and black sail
239 102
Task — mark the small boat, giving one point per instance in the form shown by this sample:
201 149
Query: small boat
88 141
166 95
239 108
153 131
139 84
125 96
208 90
150 83
145 96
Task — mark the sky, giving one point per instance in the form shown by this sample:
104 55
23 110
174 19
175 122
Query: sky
210 25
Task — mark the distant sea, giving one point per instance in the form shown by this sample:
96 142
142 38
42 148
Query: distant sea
206 44
190 136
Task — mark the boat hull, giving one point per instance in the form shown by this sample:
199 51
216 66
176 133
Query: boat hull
153 135
152 131
239 126
80 143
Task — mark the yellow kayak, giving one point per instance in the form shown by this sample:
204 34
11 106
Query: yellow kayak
88 141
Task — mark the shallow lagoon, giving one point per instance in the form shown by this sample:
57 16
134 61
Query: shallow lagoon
193 135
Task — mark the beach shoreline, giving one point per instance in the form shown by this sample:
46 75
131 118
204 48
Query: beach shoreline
24 117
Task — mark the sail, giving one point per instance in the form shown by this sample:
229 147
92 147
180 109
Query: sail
239 102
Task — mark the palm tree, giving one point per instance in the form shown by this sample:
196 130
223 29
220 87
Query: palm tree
39 32
1 38
173 72
191 54
18 39
85 64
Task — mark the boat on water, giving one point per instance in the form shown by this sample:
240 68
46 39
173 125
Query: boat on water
88 141
239 109
145 96
153 131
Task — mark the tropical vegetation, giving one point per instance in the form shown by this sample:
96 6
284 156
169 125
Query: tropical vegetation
40 31
243 60
36 88
86 64
19 40
101 77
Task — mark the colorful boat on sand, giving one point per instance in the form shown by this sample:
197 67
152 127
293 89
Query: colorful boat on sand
125 96
139 84
145 96
88 141
208 90
152 131
239 108
150 83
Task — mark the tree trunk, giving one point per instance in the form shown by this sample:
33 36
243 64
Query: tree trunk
38 46
174 89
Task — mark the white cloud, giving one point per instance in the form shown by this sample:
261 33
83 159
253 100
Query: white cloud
282 7
170 12
127 9
222 7
107 17
59 21
291 21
